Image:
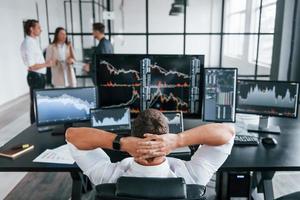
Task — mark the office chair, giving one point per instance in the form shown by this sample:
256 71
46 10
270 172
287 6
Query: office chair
137 188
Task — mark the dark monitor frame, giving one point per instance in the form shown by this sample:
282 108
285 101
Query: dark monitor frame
235 95
201 92
66 121
271 115
99 109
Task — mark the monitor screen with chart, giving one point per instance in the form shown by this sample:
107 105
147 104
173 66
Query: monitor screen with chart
61 106
163 82
175 121
220 94
269 98
111 119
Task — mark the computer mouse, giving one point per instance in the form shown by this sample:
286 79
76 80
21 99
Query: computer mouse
269 141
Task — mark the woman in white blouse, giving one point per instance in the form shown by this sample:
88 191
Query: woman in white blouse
62 55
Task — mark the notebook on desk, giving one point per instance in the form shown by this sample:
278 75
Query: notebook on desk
16 151
175 121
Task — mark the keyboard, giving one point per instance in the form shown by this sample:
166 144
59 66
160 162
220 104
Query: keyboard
246 140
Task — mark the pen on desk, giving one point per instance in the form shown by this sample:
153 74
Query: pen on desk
22 146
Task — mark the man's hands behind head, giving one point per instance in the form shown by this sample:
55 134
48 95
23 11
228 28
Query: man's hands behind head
151 146
159 145
138 147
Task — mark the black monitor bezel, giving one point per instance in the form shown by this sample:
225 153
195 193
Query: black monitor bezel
269 115
185 115
235 96
99 109
66 121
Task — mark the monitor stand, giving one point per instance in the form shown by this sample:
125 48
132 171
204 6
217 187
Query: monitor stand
263 126
61 130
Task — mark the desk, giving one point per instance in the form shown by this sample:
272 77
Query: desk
43 141
283 157
265 160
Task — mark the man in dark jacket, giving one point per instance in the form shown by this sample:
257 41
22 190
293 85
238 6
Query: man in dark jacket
104 47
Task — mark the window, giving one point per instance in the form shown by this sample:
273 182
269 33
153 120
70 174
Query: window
248 39
206 21
208 45
129 16
230 33
129 44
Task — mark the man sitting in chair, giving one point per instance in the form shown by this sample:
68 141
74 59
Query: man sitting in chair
149 143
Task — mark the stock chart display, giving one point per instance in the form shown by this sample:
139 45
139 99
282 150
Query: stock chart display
175 121
119 77
169 83
220 94
164 82
111 119
268 97
63 105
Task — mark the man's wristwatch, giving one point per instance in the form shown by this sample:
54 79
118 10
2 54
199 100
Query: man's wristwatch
116 143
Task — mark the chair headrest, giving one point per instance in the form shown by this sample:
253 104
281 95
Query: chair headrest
152 188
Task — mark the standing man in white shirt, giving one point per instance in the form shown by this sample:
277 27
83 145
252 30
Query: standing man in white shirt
149 151
33 59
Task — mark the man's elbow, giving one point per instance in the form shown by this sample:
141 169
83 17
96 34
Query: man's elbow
70 135
229 133
226 132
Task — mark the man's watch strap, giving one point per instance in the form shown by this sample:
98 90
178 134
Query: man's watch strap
117 143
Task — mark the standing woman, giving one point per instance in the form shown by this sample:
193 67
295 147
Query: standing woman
62 54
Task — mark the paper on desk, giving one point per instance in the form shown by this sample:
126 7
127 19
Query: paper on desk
64 151
60 155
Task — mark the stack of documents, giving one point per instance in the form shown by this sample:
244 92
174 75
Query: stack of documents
60 155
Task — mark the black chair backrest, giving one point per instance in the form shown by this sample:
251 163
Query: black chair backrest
153 188
138 188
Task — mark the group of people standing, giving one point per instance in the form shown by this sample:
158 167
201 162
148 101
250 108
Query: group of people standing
60 57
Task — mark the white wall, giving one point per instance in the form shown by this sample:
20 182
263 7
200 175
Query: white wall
12 70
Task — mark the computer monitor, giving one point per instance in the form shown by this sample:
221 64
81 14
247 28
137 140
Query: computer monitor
114 119
175 121
163 82
220 94
174 83
267 98
118 80
64 106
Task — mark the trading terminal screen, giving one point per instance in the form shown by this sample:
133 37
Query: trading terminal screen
163 82
175 121
220 94
111 119
119 81
271 98
58 106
